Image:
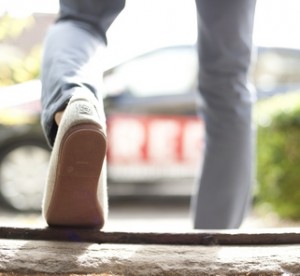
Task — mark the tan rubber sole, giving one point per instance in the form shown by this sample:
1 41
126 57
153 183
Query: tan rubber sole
74 200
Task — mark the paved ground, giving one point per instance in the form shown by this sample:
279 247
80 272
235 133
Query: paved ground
147 215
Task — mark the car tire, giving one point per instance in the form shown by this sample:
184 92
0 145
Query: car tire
23 166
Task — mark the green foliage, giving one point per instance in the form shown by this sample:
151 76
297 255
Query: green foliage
278 154
11 27
21 69
15 67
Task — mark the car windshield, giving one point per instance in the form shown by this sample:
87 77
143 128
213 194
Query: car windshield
161 72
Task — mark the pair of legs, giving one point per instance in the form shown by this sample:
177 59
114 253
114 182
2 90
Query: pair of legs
225 41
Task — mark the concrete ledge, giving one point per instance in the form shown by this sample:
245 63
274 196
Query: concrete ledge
23 257
224 237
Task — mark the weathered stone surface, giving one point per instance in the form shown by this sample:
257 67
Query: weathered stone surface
50 257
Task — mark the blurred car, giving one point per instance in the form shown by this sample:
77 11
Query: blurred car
150 102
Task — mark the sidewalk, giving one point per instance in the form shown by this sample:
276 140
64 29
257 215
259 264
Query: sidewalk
148 215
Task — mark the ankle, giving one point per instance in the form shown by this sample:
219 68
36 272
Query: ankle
57 117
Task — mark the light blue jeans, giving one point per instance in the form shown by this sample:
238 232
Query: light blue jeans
223 193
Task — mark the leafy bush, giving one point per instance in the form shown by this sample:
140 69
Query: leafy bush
15 65
18 69
278 154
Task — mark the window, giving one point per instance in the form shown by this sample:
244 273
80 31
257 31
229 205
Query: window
162 72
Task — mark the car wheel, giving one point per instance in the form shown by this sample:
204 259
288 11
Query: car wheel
23 169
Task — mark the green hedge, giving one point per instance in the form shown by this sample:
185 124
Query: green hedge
17 64
278 154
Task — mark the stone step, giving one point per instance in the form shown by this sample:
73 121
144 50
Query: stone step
50 257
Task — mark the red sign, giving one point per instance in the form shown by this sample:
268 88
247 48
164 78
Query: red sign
154 139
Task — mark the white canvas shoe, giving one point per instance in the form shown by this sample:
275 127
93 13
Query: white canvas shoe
76 193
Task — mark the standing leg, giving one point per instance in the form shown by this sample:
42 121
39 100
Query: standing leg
225 43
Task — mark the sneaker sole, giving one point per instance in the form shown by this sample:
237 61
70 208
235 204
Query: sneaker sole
74 200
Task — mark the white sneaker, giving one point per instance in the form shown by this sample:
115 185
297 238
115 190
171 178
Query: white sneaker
76 193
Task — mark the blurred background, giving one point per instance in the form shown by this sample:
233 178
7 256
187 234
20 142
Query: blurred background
152 171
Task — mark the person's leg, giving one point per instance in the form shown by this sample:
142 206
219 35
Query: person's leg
225 43
70 48
75 194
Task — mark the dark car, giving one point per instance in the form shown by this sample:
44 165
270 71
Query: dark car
150 102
